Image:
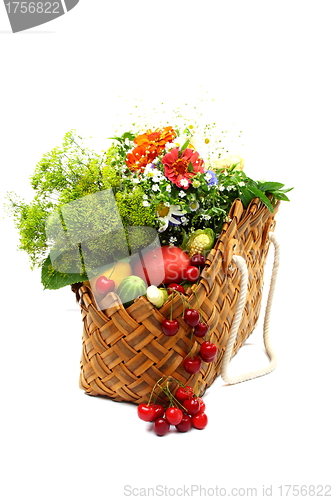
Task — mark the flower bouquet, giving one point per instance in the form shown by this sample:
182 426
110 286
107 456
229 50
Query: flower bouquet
145 233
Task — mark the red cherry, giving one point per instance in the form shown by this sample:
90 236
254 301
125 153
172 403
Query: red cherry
191 274
183 393
202 404
104 285
208 351
192 406
175 286
200 420
161 426
170 327
192 364
185 424
201 329
198 260
146 412
173 415
191 317
158 412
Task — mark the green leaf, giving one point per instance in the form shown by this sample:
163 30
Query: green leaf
257 192
280 196
116 138
190 167
246 197
270 186
233 166
185 239
53 280
128 135
184 146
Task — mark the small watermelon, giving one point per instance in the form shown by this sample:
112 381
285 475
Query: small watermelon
131 288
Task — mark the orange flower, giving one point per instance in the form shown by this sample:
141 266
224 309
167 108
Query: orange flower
149 146
140 157
159 138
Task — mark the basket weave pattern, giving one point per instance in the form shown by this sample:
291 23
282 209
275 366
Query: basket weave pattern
124 350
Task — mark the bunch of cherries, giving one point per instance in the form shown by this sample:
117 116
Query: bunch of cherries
192 317
185 410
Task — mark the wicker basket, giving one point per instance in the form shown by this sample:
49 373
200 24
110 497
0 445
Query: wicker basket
125 351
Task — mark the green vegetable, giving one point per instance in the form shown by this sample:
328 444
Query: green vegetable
157 296
201 241
131 288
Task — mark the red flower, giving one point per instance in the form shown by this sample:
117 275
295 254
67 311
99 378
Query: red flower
179 168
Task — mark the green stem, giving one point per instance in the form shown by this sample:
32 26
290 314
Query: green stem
199 308
153 389
171 306
82 260
191 341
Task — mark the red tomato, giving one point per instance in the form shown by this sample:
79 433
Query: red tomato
150 267
163 265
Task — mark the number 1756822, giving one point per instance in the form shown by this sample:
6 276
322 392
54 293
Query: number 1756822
33 7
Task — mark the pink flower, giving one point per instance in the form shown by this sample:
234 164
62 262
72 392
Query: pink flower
179 168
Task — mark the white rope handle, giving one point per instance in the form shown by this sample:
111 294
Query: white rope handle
241 264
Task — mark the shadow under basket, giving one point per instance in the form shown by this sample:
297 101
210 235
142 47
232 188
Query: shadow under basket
124 350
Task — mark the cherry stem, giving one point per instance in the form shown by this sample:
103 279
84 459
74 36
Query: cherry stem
113 267
152 391
172 400
181 298
191 340
171 306
199 308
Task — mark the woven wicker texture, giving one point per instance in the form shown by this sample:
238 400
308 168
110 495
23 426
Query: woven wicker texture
124 350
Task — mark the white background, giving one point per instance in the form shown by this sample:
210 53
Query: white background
268 65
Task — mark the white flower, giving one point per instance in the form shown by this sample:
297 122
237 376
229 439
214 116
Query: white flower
166 204
145 203
165 219
241 184
184 220
205 217
136 180
182 194
181 140
172 240
149 170
221 187
168 188
194 205
145 197
170 145
229 188
183 182
156 187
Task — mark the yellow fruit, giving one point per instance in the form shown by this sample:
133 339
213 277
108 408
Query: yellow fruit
117 273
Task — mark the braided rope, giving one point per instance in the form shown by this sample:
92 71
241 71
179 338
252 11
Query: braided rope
241 264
